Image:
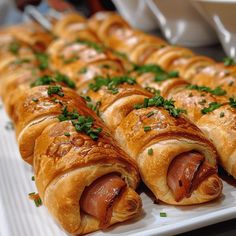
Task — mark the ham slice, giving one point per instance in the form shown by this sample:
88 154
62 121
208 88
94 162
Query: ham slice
99 198
182 173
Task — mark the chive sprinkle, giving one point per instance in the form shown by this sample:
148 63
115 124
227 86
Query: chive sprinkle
151 113
55 90
159 101
67 134
97 47
218 91
35 99
81 123
159 73
150 151
33 178
222 114
163 214
228 61
212 106
146 128
232 102
110 82
43 60
83 70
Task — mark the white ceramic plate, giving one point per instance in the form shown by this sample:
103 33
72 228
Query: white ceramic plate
20 217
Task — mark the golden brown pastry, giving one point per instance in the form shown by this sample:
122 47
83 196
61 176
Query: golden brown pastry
208 108
145 49
74 157
114 98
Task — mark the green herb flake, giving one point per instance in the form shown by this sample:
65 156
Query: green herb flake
163 214
55 90
159 74
67 134
33 178
110 82
212 106
153 90
14 48
80 122
222 114
71 60
61 78
151 113
232 102
159 101
43 60
35 99
150 151
146 128
218 91
228 61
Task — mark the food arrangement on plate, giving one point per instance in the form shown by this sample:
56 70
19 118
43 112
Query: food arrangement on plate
98 106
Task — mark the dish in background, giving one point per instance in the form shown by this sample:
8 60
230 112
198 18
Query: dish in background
221 14
181 23
137 13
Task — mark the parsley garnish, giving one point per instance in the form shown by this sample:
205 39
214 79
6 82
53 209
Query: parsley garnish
228 61
81 123
146 128
218 91
14 48
43 60
70 60
160 74
212 106
110 83
35 99
121 54
153 90
35 197
151 113
55 90
67 134
64 79
97 47
232 102
159 101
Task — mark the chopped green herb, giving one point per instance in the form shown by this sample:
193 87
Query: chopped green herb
146 128
110 82
61 78
35 197
33 178
83 70
71 59
30 194
55 90
159 101
44 80
232 102
38 202
212 106
121 54
218 91
14 47
150 151
67 134
87 98
43 60
151 113
35 99
228 61
160 74
97 47
81 123
163 214
222 114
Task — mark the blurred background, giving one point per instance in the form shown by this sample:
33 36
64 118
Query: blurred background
199 24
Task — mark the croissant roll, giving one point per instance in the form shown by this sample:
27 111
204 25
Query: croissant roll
217 124
217 75
76 168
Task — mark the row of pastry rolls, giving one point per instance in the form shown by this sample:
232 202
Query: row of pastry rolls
175 159
83 177
208 108
141 48
217 122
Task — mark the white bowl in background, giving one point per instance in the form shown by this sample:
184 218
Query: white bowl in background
181 23
137 13
221 14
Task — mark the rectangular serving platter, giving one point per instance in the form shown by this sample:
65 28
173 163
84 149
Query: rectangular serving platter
20 217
